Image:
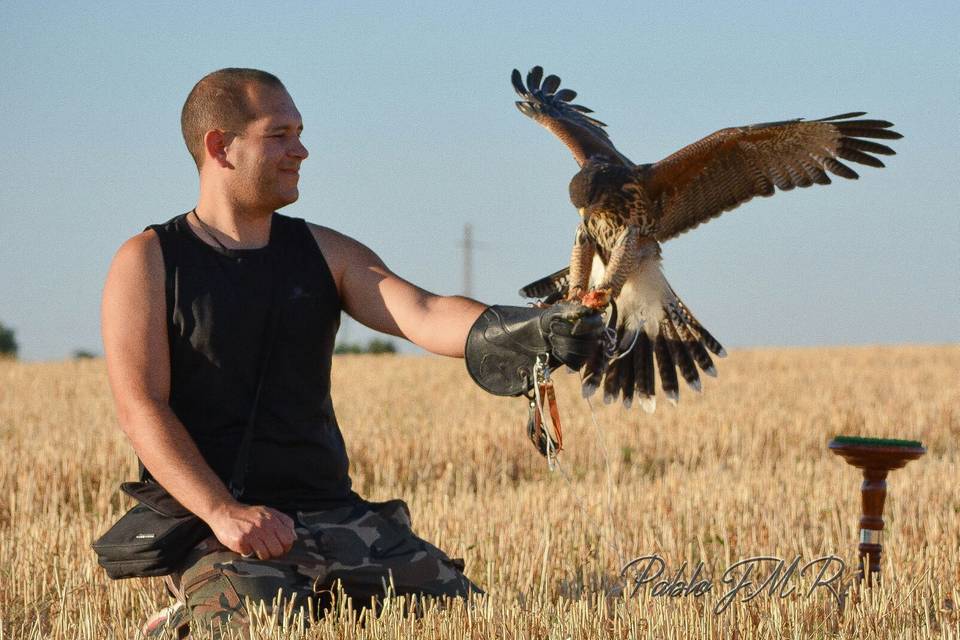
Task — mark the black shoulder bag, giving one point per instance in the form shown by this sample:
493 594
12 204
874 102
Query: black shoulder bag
155 536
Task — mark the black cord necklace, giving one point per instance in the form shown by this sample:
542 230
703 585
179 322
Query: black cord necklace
206 229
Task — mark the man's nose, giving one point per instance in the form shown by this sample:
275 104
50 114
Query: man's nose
300 151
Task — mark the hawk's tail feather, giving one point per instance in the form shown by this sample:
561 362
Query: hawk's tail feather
704 361
677 342
691 340
627 340
612 381
681 356
643 371
628 377
593 372
668 371
708 340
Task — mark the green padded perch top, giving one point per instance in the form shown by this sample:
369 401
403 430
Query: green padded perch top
877 454
877 442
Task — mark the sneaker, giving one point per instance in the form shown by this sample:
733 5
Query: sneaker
172 619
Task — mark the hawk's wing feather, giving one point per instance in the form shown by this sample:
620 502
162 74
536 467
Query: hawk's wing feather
583 134
730 167
549 288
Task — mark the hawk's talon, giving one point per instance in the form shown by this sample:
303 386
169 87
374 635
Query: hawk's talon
575 294
596 299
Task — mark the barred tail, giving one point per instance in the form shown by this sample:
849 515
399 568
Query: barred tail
665 331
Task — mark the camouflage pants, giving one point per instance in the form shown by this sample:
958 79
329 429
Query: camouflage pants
364 545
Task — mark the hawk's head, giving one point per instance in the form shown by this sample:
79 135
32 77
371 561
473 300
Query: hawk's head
594 180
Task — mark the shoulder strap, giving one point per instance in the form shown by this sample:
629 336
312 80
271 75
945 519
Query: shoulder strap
241 464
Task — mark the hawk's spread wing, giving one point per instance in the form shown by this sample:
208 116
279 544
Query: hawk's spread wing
724 170
551 108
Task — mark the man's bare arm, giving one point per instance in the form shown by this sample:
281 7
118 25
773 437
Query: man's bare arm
383 301
138 365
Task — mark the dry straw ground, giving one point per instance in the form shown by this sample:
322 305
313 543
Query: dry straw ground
741 470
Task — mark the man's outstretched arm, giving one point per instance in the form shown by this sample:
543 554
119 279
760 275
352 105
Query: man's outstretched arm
504 341
382 300
138 365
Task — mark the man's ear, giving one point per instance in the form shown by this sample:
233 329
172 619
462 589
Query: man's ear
215 146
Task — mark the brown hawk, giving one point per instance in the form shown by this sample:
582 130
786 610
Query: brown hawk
627 210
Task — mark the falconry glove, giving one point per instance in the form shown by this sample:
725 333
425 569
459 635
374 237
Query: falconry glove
504 343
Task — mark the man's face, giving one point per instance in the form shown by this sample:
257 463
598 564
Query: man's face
266 156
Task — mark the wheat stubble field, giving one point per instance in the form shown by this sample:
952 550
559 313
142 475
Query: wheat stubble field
739 471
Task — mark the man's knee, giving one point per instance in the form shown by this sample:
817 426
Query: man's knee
440 576
211 597
218 587
379 554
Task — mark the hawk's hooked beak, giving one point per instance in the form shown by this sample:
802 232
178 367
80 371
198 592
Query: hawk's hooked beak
583 214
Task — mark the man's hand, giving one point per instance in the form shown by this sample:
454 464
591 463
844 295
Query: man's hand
253 530
138 363
504 343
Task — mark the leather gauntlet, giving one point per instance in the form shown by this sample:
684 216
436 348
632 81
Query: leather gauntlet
504 342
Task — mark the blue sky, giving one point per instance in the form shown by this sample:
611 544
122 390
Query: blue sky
412 132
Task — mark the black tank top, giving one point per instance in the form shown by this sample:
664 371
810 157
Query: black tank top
217 304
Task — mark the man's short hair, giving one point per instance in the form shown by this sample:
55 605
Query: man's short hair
220 101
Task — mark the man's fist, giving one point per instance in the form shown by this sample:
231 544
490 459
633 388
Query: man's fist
253 530
503 344
573 332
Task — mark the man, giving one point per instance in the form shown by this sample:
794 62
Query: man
230 311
